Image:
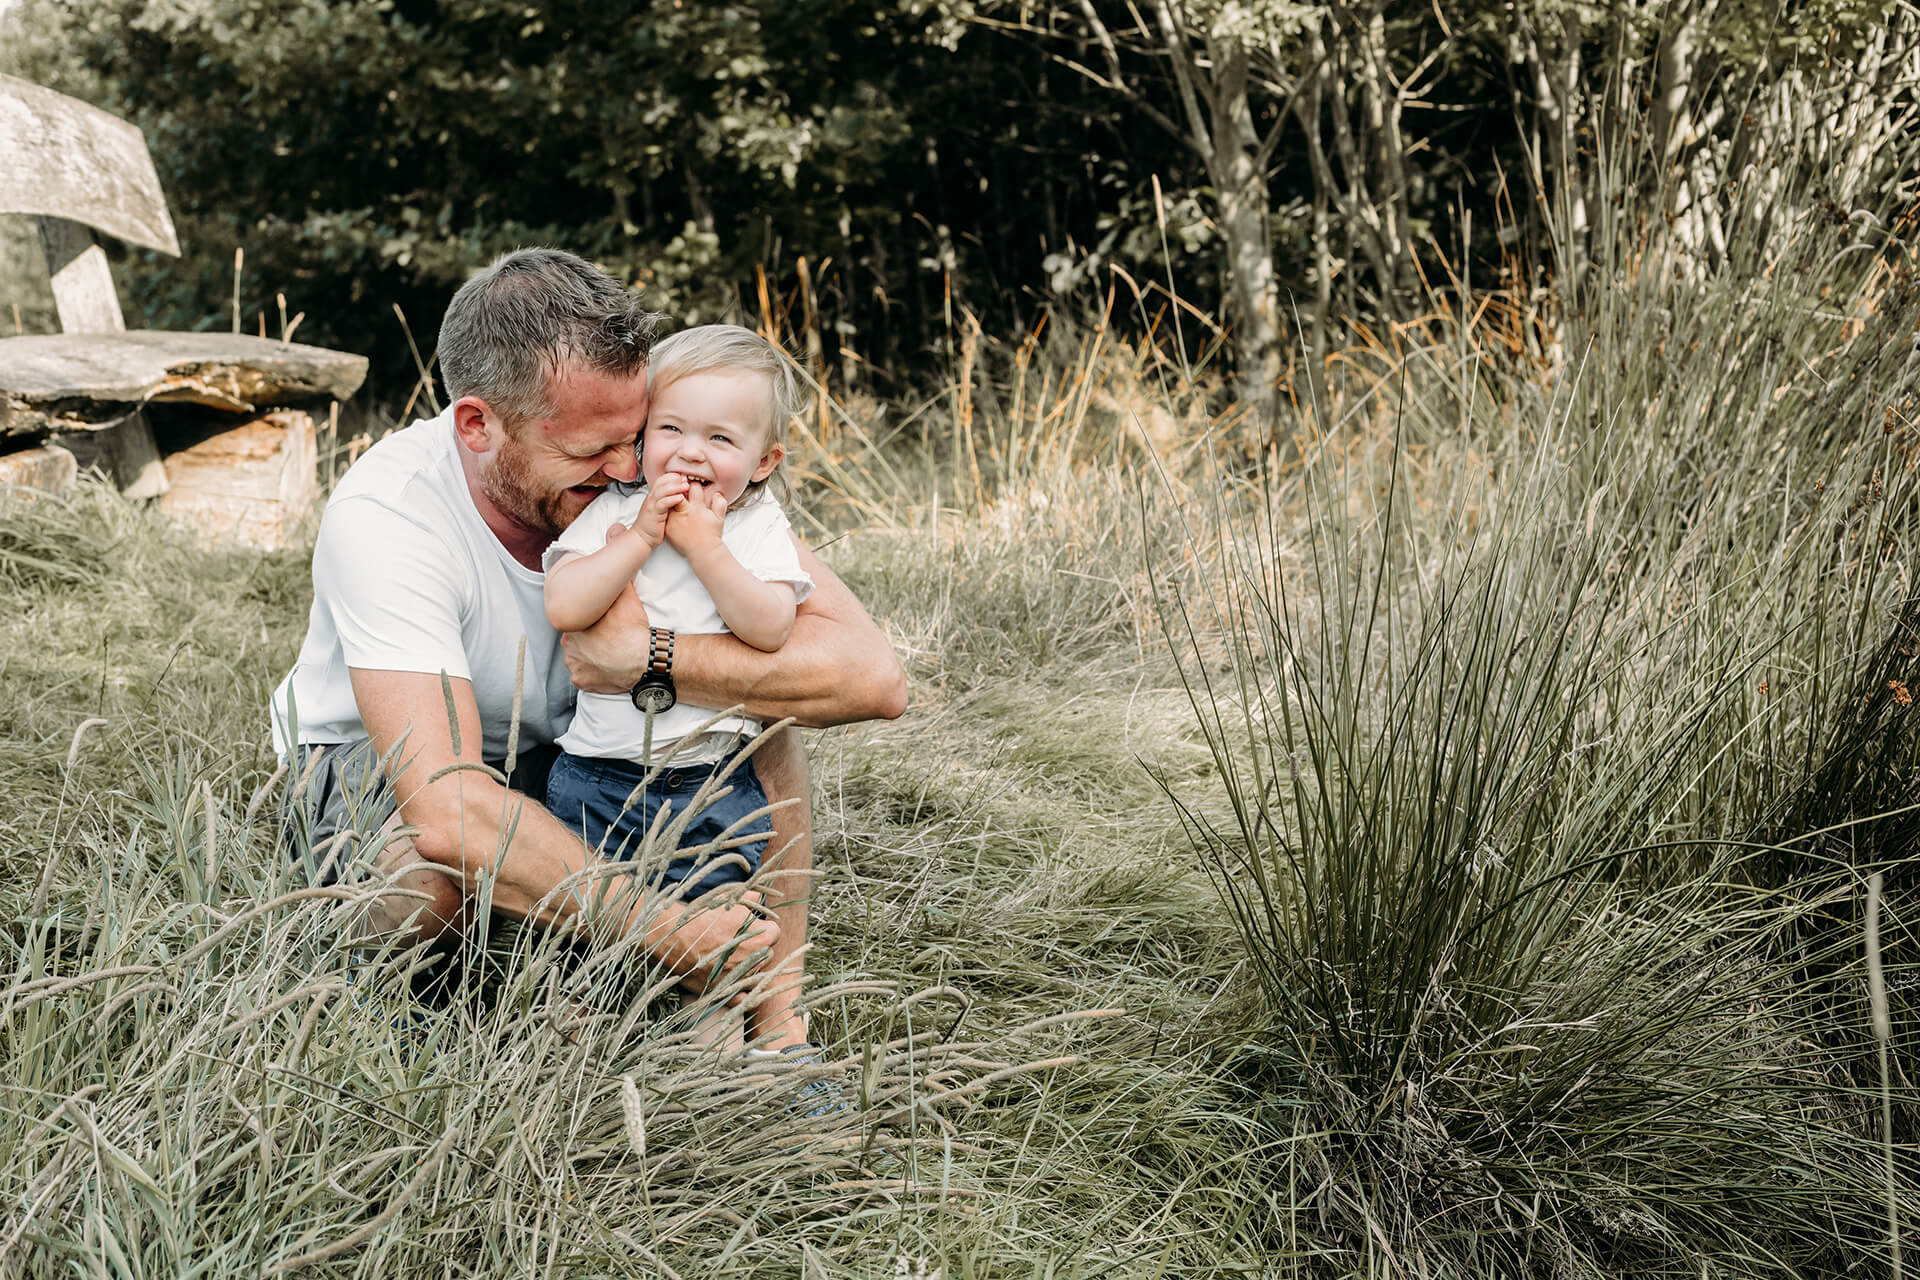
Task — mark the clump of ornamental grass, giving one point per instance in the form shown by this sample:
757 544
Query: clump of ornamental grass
1557 973
1518 1012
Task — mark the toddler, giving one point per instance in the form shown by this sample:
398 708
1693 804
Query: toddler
707 549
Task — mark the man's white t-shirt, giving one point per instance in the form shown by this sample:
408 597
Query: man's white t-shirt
408 577
756 532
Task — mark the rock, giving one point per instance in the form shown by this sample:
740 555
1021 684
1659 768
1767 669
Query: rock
58 382
48 469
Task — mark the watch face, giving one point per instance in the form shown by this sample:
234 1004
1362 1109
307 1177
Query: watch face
654 693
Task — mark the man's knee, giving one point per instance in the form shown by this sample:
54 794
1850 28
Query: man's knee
415 896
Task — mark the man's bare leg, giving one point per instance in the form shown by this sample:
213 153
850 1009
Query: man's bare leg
787 881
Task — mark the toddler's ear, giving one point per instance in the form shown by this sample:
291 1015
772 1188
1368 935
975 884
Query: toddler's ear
768 461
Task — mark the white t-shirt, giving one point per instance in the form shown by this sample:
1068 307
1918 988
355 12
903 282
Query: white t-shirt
757 534
408 577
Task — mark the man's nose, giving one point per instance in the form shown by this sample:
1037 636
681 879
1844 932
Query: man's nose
625 466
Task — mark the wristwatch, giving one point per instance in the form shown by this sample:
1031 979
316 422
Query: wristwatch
654 693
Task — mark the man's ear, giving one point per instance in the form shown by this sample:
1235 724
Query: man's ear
476 424
768 461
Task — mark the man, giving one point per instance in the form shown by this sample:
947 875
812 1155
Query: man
428 654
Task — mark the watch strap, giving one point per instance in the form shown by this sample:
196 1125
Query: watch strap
660 650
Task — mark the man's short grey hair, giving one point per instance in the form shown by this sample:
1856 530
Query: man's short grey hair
529 313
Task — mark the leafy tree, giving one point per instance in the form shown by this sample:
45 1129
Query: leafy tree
888 163
365 150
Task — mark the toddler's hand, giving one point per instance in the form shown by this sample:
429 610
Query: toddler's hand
697 521
663 496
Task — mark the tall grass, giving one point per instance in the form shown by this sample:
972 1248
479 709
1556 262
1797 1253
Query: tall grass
1557 730
1533 728
201 1071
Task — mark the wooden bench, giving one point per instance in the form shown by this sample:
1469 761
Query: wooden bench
232 453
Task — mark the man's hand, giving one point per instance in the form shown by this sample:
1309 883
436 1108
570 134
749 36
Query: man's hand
696 524
610 655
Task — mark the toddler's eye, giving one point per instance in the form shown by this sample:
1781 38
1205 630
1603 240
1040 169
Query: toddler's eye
721 438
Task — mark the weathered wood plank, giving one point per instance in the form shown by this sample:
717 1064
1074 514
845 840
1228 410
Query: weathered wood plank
251 485
48 469
75 382
61 158
82 285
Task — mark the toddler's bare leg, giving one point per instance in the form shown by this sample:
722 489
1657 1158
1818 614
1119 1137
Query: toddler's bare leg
781 762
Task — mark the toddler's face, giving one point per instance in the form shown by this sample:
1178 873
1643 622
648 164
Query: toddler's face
711 428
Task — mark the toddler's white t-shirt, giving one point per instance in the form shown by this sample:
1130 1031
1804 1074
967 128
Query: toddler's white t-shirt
758 535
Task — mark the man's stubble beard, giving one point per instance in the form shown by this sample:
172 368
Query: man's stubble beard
509 486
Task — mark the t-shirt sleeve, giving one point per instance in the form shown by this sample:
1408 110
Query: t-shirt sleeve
588 532
762 541
390 589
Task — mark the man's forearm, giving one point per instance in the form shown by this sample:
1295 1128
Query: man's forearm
836 666
466 821
531 864
804 679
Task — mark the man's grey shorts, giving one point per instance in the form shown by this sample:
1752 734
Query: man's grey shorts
335 807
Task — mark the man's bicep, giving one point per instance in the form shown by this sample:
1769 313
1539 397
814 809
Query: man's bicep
835 629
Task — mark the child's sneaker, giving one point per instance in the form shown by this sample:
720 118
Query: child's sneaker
819 1096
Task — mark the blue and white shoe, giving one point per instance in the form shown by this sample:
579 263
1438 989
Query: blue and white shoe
819 1096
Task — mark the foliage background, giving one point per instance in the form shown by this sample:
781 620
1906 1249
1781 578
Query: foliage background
869 169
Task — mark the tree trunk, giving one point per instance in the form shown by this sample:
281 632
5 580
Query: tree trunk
1387 187
1241 188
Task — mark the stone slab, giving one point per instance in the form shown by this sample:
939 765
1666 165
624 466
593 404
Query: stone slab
78 381
63 158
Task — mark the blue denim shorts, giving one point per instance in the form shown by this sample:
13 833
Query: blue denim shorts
589 794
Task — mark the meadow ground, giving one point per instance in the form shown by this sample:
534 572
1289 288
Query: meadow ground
1473 837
